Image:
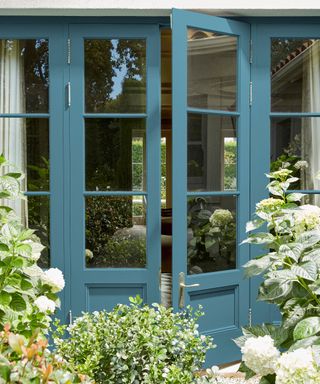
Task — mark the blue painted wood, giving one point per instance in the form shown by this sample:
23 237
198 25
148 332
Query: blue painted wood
143 280
225 294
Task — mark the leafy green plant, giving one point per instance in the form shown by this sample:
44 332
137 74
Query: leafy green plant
213 235
290 266
27 293
24 361
136 344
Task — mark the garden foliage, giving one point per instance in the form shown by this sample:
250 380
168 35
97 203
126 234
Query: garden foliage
136 344
290 267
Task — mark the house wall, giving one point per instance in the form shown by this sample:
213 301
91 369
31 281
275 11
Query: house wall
160 8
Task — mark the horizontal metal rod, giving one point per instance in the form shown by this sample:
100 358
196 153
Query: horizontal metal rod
294 114
37 193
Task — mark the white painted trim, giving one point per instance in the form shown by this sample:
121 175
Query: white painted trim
158 8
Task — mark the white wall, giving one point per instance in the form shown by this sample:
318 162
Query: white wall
159 7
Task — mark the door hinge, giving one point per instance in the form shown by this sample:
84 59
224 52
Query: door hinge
70 317
250 317
250 52
250 94
68 94
69 51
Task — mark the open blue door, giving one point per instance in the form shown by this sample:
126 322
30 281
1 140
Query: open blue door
211 92
115 164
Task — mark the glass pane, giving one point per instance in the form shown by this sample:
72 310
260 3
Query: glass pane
115 76
295 145
25 143
211 234
24 83
295 75
115 232
212 153
115 154
39 220
313 199
212 70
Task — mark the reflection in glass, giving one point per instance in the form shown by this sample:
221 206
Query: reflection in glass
212 153
39 220
313 199
115 76
25 143
211 234
295 72
24 81
115 154
116 232
212 70
295 145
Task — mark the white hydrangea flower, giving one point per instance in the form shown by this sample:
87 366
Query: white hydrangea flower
307 216
297 367
221 217
44 304
54 278
301 164
260 355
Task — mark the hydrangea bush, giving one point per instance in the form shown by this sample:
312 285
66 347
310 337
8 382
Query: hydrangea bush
299 366
28 295
290 267
136 344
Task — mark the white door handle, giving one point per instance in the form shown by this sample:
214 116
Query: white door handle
182 287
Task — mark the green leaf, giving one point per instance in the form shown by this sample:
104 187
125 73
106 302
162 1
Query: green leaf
15 175
17 303
269 379
306 328
5 298
248 372
254 224
4 195
24 250
4 247
256 266
293 250
295 197
305 343
309 238
26 285
307 271
5 371
273 289
259 238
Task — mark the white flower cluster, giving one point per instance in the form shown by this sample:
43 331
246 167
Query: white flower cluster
301 164
298 367
45 305
221 217
54 278
307 217
260 355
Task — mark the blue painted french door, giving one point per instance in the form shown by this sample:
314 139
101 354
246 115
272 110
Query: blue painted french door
210 173
114 103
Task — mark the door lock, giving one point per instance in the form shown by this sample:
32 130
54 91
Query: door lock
182 287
